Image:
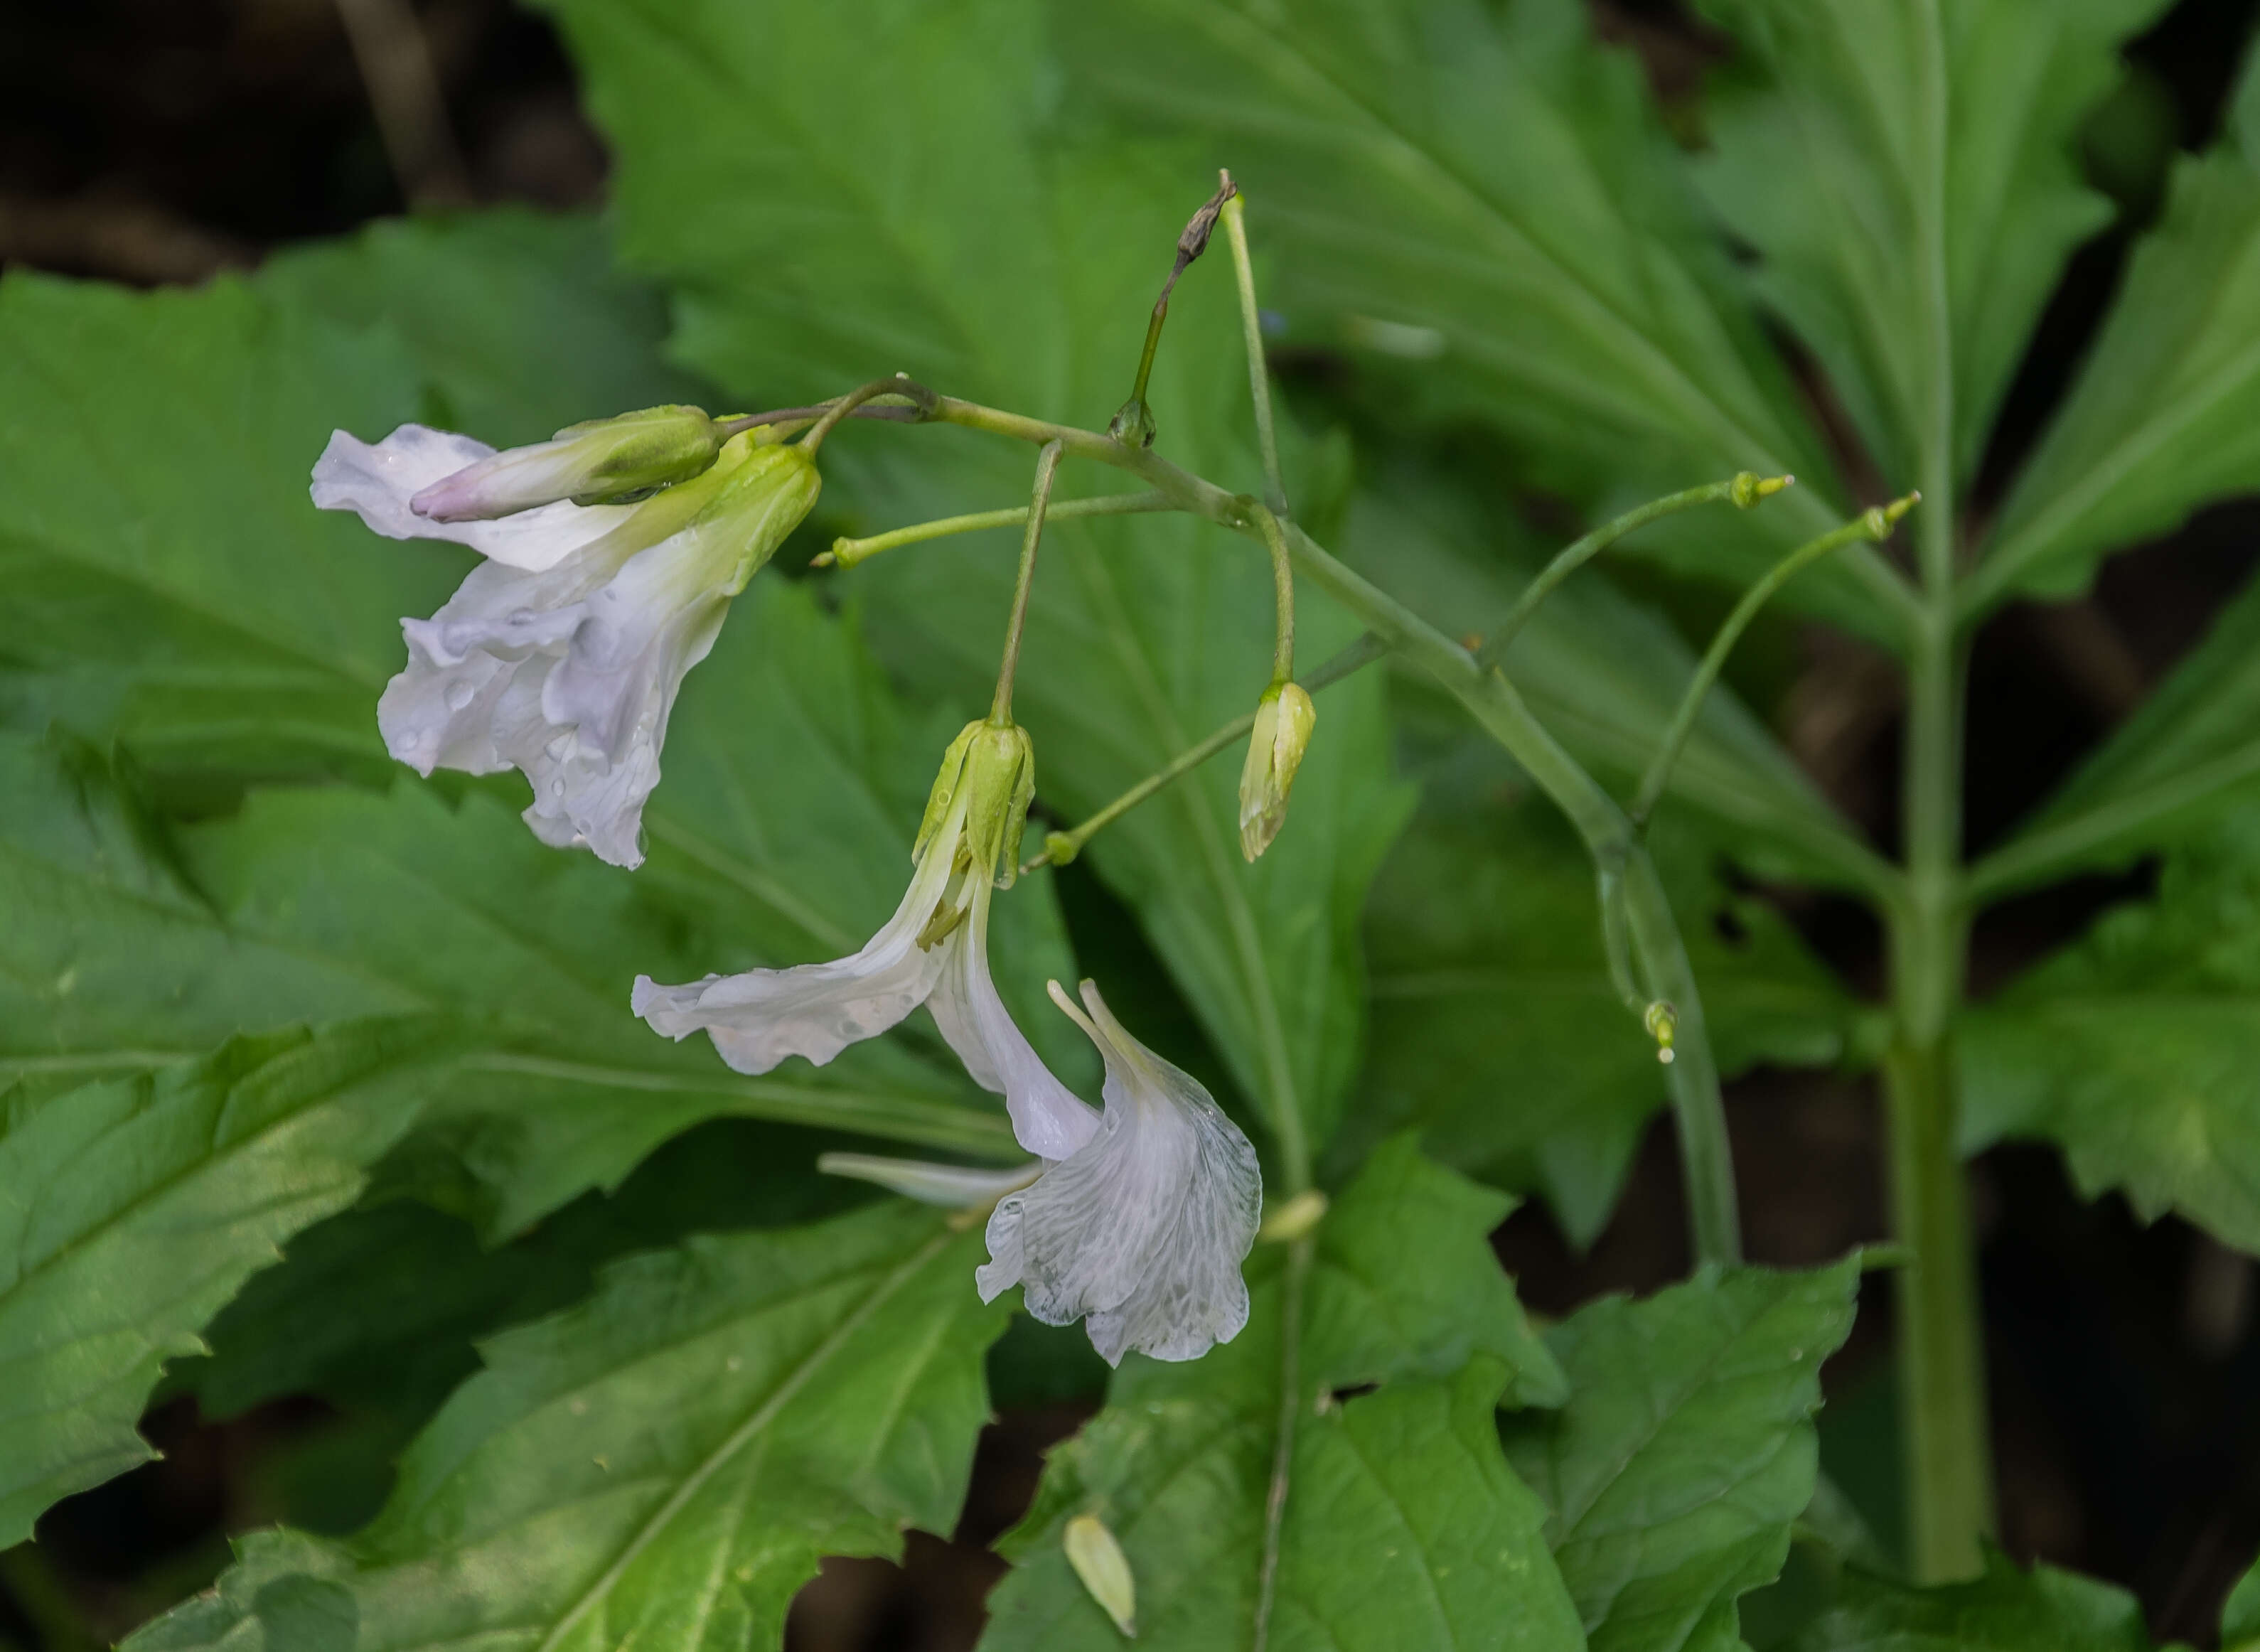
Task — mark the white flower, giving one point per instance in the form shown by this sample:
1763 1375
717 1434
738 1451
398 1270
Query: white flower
602 460
934 951
561 656
1142 1232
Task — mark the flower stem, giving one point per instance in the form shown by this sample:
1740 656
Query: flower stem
1000 709
836 410
1362 653
1283 593
1251 327
847 553
1744 490
1873 526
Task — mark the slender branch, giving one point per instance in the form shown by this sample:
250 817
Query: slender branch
845 553
1356 655
1744 490
1283 594
1873 526
841 408
1000 710
1251 328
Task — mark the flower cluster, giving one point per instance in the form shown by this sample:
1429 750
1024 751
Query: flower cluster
612 554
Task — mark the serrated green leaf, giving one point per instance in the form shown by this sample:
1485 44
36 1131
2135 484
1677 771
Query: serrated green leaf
666 1463
2133 1048
1401 1526
1486 190
2163 418
131 1210
316 904
1936 198
2188 752
1496 1030
1006 265
2006 1610
1686 1450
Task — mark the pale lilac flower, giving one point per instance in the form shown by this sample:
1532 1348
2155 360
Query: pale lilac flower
1141 1231
561 656
601 462
934 951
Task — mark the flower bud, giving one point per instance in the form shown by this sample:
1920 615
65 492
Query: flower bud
1105 1569
991 769
603 462
1283 721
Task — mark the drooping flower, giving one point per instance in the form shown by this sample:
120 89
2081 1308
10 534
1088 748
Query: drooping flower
934 951
560 655
598 462
1284 720
1140 1233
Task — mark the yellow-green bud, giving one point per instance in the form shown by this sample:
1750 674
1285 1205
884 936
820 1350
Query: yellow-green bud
1284 720
604 461
1105 1569
766 494
993 768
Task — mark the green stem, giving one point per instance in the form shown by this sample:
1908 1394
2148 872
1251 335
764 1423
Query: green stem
845 553
845 405
1744 490
1283 593
1251 327
1362 653
1000 709
1500 709
1872 526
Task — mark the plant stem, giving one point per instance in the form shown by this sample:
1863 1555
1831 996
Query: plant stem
1500 709
847 553
848 404
1000 709
1251 327
1873 526
1576 555
1283 593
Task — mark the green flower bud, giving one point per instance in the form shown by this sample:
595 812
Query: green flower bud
991 771
603 462
1098 1561
1283 721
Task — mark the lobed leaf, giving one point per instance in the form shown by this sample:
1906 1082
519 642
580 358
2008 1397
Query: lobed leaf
131 1210
2006 1610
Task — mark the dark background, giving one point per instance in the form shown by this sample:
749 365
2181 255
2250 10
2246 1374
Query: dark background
154 142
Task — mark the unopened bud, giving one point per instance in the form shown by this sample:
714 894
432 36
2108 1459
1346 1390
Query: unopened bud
604 461
1748 488
990 769
1286 1223
1099 1560
1283 721
1060 848
1662 1024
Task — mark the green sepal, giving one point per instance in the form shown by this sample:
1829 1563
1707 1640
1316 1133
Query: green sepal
651 448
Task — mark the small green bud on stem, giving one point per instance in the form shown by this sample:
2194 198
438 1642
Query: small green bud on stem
1098 1561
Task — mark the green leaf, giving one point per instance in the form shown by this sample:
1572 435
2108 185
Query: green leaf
2240 1613
131 1210
2132 1048
2188 752
1496 1030
124 946
517 322
2006 1610
1936 199
1005 264
1486 190
2163 418
666 1463
1686 1450
1401 1526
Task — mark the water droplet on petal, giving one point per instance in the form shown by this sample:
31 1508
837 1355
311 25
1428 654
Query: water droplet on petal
521 616
459 694
557 788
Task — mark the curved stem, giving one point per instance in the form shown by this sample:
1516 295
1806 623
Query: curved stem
1000 709
1744 490
1283 595
834 411
1251 328
1873 526
845 553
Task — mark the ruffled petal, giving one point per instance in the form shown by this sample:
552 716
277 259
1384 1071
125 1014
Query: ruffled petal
1141 1232
375 482
814 1010
1048 1118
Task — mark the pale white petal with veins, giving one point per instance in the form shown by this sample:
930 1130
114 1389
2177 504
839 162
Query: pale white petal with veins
1141 1233
376 481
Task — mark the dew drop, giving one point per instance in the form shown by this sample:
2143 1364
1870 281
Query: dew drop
459 694
557 788
521 616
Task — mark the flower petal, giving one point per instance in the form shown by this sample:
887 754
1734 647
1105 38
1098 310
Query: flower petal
1048 1118
956 1187
376 482
815 1010
1141 1232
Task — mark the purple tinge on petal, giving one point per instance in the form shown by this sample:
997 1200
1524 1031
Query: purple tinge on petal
1048 1118
816 1010
378 482
1141 1232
